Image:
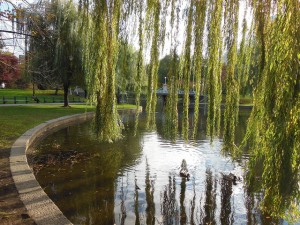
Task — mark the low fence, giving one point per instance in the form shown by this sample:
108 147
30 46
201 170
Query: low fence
26 100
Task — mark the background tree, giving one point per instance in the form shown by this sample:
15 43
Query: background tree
55 49
9 69
68 57
125 69
41 54
163 69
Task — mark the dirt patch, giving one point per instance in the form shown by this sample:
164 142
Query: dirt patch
12 209
38 162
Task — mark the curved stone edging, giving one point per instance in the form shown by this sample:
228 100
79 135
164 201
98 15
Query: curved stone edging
40 207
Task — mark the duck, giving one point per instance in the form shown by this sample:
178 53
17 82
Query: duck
184 171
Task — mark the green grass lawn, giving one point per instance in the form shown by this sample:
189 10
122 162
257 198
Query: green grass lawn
27 92
47 96
15 120
244 100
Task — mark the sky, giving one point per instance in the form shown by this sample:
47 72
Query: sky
16 44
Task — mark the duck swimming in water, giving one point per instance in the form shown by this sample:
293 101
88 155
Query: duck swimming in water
184 171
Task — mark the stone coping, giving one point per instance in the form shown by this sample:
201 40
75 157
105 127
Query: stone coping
39 206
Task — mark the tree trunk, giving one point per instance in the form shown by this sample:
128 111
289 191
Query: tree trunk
33 89
66 99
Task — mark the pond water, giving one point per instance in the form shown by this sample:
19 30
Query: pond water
136 180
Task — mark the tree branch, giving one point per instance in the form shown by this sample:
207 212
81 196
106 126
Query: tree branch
15 32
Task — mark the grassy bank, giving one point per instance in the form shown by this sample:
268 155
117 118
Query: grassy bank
15 120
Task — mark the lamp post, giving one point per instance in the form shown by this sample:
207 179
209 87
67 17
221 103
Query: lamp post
165 80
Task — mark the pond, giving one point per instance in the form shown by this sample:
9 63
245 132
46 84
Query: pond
136 180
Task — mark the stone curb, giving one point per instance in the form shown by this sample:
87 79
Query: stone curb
40 207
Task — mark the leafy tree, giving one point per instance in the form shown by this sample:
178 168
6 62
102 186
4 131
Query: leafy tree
67 63
164 67
55 48
125 68
41 54
9 68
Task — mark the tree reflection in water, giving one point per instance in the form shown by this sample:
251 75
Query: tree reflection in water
123 199
226 192
193 205
149 190
136 204
169 207
210 199
183 218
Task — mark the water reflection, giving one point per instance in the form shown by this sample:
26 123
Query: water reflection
123 207
193 206
169 207
137 180
136 204
226 192
210 199
149 190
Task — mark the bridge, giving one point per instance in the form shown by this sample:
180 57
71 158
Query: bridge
163 92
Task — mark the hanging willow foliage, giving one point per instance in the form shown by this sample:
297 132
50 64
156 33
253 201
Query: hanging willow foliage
140 63
101 50
214 68
198 58
244 56
187 73
232 84
273 130
153 12
171 125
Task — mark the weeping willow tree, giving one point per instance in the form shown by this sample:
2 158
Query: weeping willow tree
214 68
100 57
200 14
153 20
232 83
273 131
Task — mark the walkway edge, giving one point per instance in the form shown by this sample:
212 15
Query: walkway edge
40 207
